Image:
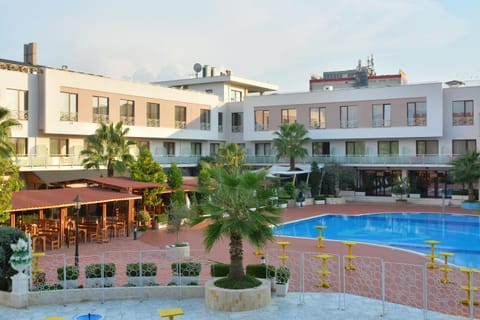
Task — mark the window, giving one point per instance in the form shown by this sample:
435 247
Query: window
289 116
180 117
317 118
463 146
263 149
427 147
236 96
17 104
58 147
417 113
204 119
153 114
169 148
348 117
20 145
462 113
262 118
355 148
69 106
237 122
320 148
220 122
196 148
381 115
127 112
214 148
387 148
100 109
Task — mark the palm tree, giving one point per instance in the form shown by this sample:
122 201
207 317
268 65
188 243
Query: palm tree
231 156
108 147
229 212
466 169
289 142
6 123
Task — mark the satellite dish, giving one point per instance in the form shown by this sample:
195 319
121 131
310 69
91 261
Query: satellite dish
197 67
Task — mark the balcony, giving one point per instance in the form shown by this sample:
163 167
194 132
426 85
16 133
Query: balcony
180 124
97 118
47 161
204 126
69 116
127 120
153 122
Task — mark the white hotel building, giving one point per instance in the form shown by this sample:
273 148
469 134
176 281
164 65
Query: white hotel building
380 125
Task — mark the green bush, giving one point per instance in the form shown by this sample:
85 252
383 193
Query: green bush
289 188
283 275
95 270
8 235
219 269
186 269
72 273
263 271
148 269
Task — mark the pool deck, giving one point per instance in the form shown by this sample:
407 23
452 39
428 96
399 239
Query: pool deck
281 308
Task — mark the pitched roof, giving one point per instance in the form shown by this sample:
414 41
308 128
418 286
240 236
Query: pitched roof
57 198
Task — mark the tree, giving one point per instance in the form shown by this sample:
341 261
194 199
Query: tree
466 169
148 170
229 214
289 142
6 123
231 157
174 177
315 177
9 182
108 147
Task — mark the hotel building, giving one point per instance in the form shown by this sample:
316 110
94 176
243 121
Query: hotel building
378 124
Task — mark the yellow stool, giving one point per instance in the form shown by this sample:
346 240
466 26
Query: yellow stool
469 288
170 313
446 269
432 256
284 256
54 318
324 272
320 236
350 256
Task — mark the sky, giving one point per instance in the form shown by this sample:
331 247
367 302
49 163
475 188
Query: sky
275 41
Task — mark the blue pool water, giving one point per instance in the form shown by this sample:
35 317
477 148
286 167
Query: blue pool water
459 234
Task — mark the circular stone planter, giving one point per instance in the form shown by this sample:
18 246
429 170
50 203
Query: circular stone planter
221 299
89 316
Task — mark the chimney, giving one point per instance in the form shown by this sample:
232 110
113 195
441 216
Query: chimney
30 53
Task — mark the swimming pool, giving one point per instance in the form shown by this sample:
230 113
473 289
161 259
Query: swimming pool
459 234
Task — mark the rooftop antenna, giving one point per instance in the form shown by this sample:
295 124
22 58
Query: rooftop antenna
197 67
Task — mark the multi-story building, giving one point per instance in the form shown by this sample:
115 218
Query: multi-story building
381 126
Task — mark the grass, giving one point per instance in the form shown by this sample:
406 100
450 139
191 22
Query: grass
246 283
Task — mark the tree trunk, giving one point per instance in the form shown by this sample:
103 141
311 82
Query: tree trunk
292 163
236 258
471 195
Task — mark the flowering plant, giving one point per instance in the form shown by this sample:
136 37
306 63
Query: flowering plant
21 255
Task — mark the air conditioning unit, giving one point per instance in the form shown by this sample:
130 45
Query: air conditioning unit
328 88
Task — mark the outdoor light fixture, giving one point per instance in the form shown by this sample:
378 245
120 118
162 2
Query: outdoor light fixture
78 205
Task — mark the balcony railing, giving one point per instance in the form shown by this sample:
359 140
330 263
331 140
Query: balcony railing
204 126
46 161
127 120
153 122
180 124
97 118
68 116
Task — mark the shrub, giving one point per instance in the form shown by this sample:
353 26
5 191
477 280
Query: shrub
95 270
289 188
320 197
219 269
148 270
70 273
186 269
143 217
283 275
263 271
8 235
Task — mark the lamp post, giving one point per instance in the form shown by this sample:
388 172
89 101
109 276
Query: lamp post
78 205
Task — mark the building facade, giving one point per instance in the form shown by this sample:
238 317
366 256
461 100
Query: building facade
381 128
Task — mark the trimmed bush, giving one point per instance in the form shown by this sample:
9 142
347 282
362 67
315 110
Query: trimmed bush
95 270
283 275
72 273
186 269
148 270
219 270
8 235
263 271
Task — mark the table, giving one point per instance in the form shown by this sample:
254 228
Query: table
171 313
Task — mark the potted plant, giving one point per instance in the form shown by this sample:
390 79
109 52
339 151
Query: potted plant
289 189
219 270
186 273
319 199
100 275
282 278
143 274
160 221
262 271
143 220
178 216
68 276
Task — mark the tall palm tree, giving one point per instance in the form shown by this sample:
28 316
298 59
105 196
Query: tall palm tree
108 147
229 213
289 142
6 123
231 156
466 169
